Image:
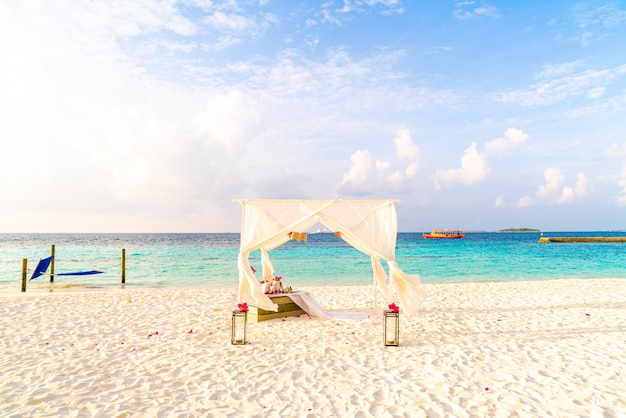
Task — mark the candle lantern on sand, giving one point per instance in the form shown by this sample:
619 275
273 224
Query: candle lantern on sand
240 320
391 325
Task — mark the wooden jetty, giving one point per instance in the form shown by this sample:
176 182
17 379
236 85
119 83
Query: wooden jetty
582 239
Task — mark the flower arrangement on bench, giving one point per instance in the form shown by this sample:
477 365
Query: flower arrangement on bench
272 285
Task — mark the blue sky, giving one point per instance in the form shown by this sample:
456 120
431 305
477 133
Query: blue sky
152 116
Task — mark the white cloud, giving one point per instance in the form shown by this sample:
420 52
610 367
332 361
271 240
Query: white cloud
554 180
524 201
468 10
144 110
512 138
395 180
596 92
130 19
359 171
230 22
559 70
593 21
617 150
240 24
123 143
411 170
621 197
359 178
338 16
560 84
568 194
499 201
381 165
615 104
405 148
554 190
474 168
230 119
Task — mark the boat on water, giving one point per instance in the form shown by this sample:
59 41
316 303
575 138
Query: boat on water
444 234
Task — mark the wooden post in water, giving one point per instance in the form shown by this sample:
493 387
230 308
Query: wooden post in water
24 268
123 265
52 264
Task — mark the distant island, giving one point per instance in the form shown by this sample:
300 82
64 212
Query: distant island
519 230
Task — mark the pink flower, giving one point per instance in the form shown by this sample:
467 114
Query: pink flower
394 308
243 307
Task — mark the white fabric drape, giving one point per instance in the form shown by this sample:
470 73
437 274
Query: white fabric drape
368 225
310 306
267 269
380 277
407 287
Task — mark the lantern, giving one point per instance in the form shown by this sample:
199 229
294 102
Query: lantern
391 328
238 331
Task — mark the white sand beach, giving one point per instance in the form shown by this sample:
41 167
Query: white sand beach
546 348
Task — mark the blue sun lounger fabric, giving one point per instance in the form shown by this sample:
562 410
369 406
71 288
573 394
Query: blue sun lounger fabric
43 265
79 273
41 268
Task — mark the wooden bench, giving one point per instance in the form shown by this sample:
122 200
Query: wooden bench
286 307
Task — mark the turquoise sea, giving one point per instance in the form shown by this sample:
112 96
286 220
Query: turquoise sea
204 259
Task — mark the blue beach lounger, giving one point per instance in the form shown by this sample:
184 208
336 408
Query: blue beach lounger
43 265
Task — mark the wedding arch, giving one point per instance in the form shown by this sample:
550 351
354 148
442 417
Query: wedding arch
370 226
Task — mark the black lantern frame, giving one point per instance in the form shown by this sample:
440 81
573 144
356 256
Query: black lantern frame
238 328
391 328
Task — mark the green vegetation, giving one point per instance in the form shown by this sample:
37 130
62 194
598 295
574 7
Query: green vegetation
519 230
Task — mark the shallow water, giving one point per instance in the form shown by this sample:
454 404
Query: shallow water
159 260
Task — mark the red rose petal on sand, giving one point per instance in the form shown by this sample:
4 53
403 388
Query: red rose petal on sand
587 314
486 388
